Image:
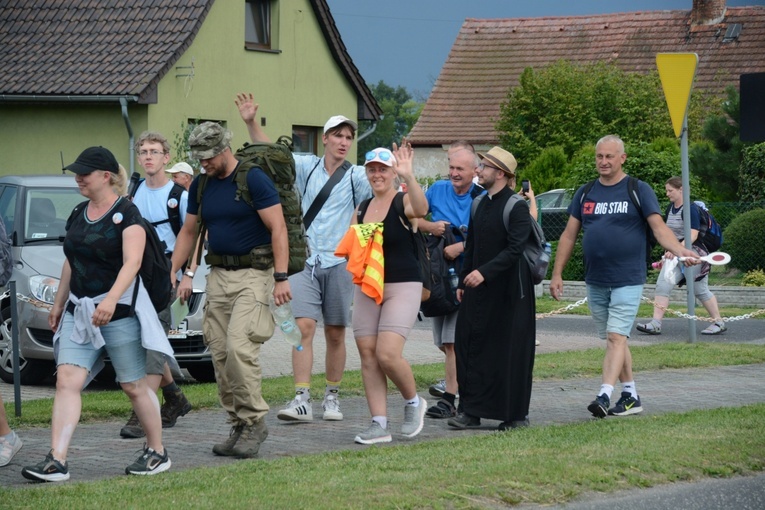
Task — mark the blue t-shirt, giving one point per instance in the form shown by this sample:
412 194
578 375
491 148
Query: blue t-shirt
233 227
614 239
153 204
446 205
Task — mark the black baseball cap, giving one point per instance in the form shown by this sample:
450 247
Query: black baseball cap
92 159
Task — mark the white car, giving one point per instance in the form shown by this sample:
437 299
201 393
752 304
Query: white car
35 209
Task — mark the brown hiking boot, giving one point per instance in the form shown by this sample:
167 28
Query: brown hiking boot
132 429
225 449
175 405
250 440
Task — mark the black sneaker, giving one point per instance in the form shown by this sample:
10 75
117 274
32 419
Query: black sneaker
599 406
149 463
514 424
464 421
49 470
442 409
175 406
626 405
132 429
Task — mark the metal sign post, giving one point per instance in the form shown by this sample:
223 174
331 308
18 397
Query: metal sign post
15 349
677 71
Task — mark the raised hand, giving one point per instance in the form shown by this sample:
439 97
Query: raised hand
404 157
248 109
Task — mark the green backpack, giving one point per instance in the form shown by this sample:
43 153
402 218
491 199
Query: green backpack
277 162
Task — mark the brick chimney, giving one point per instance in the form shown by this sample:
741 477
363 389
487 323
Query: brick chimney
707 12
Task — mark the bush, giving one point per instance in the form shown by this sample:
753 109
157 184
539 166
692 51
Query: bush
755 278
574 270
743 240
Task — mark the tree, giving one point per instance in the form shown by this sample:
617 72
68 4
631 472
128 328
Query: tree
400 112
717 157
571 105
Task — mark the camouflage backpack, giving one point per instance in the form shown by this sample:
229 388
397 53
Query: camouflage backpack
277 162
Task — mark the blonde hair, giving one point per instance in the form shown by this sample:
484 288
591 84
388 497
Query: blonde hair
119 181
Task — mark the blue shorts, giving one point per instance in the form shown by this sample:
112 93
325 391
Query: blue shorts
323 293
123 345
614 309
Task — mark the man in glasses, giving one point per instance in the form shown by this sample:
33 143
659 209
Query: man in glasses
330 188
163 203
449 201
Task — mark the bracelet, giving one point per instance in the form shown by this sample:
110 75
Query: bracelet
190 274
280 277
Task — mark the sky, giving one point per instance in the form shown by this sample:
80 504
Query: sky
406 42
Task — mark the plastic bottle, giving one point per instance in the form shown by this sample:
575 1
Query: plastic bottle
454 280
286 322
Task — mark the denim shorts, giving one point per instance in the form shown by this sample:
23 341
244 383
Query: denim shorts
123 346
614 308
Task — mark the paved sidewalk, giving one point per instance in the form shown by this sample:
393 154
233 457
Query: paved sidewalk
189 443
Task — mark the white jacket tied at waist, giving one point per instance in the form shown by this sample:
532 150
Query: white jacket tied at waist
153 337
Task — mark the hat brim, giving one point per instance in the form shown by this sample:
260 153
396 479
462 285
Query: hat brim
80 169
207 154
496 162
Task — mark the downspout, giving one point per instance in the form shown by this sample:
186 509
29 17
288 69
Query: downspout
131 139
368 132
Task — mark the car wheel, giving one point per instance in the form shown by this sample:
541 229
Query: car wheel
31 371
202 372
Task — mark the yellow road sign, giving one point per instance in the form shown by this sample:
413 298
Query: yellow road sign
677 71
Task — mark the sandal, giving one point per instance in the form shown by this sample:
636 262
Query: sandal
715 329
651 328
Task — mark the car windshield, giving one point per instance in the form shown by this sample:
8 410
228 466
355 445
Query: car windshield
47 210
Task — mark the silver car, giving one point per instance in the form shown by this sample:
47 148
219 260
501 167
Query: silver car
35 209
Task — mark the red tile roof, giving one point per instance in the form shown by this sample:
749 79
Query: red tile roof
489 56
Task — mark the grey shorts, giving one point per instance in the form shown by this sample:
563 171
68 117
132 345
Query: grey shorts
396 313
700 289
323 293
443 328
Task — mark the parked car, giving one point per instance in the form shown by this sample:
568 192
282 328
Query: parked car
35 209
553 212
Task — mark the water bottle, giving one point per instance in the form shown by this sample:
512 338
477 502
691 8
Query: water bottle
286 322
454 279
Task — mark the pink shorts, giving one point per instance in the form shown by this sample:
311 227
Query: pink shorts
396 313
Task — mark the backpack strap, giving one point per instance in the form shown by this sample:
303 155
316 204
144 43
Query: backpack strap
323 195
363 206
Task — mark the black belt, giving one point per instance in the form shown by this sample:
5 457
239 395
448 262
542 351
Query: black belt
120 311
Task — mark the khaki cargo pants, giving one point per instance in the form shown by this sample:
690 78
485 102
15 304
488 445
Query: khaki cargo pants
236 323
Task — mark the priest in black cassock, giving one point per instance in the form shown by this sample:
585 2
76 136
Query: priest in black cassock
496 326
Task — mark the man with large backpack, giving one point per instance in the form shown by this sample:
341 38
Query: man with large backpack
330 188
248 254
449 202
163 204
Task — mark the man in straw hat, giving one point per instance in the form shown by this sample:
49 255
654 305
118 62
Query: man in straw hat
496 322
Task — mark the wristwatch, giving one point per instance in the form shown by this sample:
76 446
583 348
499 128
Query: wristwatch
280 277
189 273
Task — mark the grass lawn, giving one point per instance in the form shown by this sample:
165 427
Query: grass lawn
544 464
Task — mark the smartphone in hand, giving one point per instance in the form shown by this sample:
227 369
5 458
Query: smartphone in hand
525 185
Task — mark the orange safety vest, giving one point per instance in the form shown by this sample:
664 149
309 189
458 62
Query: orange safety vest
362 246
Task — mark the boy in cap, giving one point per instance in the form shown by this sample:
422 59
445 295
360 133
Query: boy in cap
244 274
324 289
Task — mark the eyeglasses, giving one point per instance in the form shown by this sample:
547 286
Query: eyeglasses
381 154
484 165
154 153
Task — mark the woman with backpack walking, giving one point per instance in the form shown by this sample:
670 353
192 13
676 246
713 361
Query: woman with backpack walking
95 314
674 220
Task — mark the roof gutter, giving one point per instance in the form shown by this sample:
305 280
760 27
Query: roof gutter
368 131
123 100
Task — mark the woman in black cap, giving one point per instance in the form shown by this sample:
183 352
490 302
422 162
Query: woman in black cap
93 316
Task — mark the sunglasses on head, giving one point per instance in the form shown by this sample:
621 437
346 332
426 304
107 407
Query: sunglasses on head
381 154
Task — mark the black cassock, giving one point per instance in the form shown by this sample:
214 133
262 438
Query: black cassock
496 325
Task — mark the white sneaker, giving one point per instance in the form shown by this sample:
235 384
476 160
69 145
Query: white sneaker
9 448
373 435
414 419
331 407
297 410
